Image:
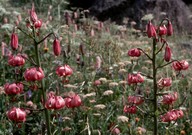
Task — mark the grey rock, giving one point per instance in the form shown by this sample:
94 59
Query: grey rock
176 10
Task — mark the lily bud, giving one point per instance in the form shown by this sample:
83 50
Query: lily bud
169 29
56 47
167 56
151 32
33 15
14 41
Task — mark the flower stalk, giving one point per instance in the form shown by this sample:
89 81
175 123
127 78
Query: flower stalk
47 116
155 107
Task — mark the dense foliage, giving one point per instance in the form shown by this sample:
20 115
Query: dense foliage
65 73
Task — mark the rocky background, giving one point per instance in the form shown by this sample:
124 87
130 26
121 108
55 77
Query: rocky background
140 11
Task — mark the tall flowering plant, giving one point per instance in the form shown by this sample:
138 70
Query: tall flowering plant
35 75
158 96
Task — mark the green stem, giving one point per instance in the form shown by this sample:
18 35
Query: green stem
45 38
38 63
166 64
155 107
47 116
89 59
145 53
25 32
59 15
161 47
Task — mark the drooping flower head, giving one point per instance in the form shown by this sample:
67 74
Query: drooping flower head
180 65
164 82
172 115
16 60
170 98
54 102
64 70
14 88
34 74
16 114
73 101
135 78
130 109
136 100
134 52
162 30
